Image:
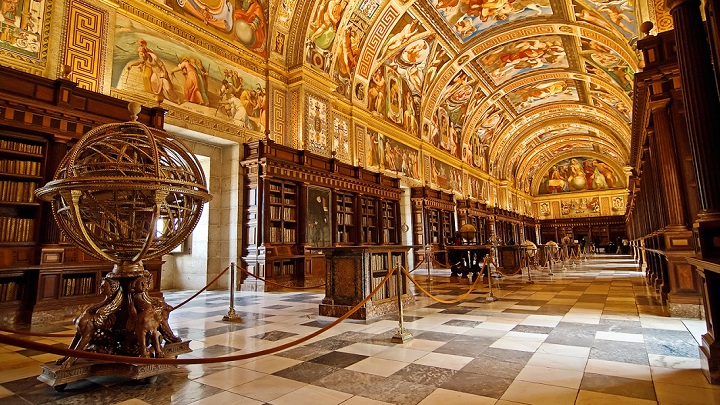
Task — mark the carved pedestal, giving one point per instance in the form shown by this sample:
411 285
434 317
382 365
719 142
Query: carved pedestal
127 322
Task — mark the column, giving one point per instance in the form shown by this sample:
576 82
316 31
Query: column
701 109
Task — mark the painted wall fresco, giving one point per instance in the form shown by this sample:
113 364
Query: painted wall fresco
617 16
444 176
391 155
606 64
543 92
395 87
580 174
603 98
352 36
507 61
469 18
240 21
22 24
153 64
476 188
341 139
445 128
316 125
580 207
322 33
476 148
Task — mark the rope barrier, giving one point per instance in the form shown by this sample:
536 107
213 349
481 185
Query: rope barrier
202 289
462 297
27 344
418 264
280 285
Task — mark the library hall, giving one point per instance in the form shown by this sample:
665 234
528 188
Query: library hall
359 202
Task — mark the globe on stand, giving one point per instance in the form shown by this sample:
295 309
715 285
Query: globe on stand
125 193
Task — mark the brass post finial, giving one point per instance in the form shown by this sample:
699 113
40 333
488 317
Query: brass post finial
134 108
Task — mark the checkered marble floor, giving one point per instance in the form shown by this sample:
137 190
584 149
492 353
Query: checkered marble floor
592 334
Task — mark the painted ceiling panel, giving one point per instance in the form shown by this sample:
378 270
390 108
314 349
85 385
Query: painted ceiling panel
507 87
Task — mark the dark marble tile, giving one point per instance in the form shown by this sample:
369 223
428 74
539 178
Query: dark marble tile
460 348
621 326
458 311
213 351
506 355
354 336
351 382
462 322
625 387
306 372
103 396
274 335
436 336
397 391
338 359
532 329
494 366
278 306
477 384
195 371
670 343
533 303
14 400
303 353
592 298
573 334
31 352
34 391
425 375
329 344
626 352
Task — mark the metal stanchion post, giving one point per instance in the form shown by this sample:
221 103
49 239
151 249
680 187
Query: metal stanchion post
402 335
428 258
490 297
232 316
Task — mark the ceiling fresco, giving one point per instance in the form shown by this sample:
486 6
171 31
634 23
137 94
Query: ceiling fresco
506 87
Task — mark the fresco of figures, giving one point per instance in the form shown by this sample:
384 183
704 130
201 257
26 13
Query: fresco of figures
615 15
543 92
395 87
240 21
602 97
606 64
580 174
21 26
348 52
154 65
322 33
391 155
476 149
469 18
476 188
507 61
580 207
445 176
445 129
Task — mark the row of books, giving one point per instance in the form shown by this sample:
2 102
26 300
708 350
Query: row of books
279 187
17 191
20 147
16 229
77 286
279 213
379 262
24 167
285 235
344 219
274 199
284 268
10 291
388 290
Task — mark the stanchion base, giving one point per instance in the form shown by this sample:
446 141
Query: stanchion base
233 317
490 298
402 337
58 377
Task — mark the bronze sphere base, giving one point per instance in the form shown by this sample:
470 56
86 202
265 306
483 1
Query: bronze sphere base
127 322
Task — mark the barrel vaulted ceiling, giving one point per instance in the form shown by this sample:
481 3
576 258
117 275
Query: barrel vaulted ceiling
510 87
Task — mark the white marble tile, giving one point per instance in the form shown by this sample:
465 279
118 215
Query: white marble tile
659 360
619 369
539 394
312 395
551 376
378 366
556 361
449 361
267 388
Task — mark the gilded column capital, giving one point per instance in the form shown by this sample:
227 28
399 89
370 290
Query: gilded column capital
673 4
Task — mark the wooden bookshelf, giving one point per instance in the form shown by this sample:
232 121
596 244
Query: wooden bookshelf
355 271
433 219
296 201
